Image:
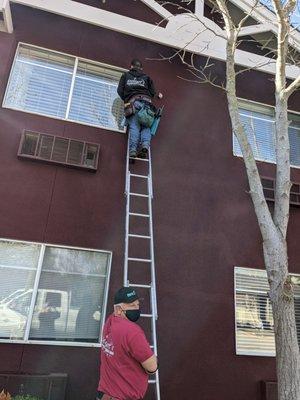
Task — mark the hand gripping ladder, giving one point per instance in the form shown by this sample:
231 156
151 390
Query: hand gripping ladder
133 262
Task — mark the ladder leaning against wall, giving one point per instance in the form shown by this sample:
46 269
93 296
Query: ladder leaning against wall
136 179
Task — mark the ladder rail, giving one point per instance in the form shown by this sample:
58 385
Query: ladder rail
130 260
127 170
125 277
153 274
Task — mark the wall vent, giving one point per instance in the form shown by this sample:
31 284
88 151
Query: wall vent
59 150
269 191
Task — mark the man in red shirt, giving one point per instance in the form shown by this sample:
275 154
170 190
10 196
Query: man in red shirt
126 357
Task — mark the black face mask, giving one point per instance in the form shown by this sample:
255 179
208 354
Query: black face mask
133 315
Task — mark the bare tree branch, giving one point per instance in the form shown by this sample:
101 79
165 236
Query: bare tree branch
295 85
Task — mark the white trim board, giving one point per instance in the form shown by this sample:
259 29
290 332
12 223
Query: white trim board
182 31
6 25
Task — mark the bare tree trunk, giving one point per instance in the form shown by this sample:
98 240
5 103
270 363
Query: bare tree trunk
273 229
281 296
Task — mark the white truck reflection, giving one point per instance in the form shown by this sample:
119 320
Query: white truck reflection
52 317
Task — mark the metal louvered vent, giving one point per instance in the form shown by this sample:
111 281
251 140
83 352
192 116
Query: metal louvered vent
59 150
253 312
269 191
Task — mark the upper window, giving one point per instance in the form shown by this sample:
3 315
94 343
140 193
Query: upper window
253 312
259 123
66 87
52 294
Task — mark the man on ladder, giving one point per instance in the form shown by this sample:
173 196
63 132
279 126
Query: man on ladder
137 90
126 356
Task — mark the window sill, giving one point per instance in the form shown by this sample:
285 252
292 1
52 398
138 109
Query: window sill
264 161
65 120
50 343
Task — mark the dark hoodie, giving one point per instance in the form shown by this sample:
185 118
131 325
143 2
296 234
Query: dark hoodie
135 82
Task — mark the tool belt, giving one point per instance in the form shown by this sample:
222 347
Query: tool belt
140 97
129 106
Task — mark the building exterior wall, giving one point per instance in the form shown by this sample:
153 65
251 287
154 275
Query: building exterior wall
204 223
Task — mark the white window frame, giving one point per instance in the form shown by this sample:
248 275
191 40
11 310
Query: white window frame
26 339
244 352
243 104
76 61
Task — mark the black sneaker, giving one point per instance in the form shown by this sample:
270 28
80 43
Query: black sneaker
143 152
132 153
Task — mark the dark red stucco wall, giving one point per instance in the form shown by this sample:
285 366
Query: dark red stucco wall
204 222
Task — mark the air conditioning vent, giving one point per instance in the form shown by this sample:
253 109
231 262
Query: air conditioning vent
59 150
269 191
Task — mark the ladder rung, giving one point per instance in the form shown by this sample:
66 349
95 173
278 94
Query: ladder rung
138 194
139 176
139 259
147 315
139 285
138 158
139 236
139 215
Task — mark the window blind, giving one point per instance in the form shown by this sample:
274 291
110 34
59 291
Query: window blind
253 312
62 86
40 82
95 100
18 266
260 129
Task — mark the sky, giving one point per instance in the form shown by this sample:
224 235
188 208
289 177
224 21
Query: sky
296 16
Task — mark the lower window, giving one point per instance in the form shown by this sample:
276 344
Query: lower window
253 312
52 293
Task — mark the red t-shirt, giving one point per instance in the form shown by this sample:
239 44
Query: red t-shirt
124 347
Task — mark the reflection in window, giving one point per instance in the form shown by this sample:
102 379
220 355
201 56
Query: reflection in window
18 266
71 291
68 302
253 312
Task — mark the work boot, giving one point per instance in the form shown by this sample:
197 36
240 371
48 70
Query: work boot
143 152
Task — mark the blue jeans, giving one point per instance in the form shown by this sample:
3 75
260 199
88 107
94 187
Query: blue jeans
139 136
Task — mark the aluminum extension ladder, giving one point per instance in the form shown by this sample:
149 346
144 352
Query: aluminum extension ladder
130 260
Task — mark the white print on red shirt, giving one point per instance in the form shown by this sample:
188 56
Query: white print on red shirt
108 346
